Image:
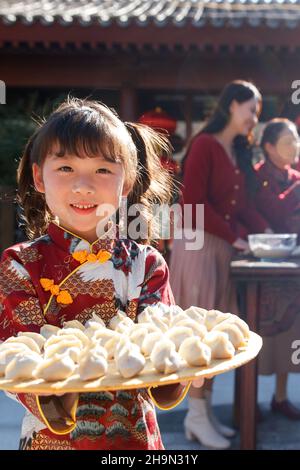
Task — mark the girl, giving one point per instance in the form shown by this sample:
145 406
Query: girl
72 176
278 200
218 173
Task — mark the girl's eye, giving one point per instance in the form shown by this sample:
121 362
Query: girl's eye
65 169
104 171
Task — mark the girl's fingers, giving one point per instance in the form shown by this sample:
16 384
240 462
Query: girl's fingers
197 383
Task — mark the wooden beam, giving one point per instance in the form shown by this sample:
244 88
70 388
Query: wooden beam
206 73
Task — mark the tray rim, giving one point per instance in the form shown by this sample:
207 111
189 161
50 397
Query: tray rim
73 385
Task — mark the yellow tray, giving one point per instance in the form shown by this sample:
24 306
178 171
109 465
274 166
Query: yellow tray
147 378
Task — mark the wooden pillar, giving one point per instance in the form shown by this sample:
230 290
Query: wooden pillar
188 109
128 103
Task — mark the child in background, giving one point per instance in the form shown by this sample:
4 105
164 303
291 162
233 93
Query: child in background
278 200
81 160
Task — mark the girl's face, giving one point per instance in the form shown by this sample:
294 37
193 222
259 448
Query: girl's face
70 182
286 150
244 116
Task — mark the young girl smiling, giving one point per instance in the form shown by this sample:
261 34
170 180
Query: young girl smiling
72 176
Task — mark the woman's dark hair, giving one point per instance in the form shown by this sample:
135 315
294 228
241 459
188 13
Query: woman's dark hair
86 129
272 131
240 91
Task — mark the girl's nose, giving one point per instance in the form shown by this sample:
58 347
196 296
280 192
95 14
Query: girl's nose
82 187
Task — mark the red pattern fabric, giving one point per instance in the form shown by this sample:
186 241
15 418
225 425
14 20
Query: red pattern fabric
276 197
135 276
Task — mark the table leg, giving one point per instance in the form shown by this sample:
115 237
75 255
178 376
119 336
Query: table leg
248 377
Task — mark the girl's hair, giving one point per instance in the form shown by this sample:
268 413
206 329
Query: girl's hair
240 91
272 131
86 129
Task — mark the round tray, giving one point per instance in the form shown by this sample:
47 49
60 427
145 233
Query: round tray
147 378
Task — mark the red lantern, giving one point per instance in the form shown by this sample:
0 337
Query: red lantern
159 120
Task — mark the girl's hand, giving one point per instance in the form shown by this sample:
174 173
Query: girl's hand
241 245
269 230
197 383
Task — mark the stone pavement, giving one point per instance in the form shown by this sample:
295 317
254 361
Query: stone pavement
273 433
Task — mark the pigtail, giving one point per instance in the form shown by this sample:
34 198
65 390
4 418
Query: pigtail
35 214
153 184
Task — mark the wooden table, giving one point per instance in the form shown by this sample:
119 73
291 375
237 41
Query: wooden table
250 274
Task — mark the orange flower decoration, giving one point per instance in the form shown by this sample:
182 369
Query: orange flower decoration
82 256
103 256
62 296
46 283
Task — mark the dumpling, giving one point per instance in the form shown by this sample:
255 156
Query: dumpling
102 336
194 352
149 312
199 330
178 334
164 357
24 340
74 324
9 353
241 324
235 335
75 332
221 347
153 314
94 319
129 360
178 318
124 325
114 321
111 345
149 342
48 330
68 340
138 335
150 327
22 366
38 338
213 317
57 367
93 328
94 364
196 313
63 348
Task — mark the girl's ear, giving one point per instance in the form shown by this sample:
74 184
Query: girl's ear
269 148
38 178
233 106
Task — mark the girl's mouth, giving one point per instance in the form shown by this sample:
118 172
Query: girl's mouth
83 208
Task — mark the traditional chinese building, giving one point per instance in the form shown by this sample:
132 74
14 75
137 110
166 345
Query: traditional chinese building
142 53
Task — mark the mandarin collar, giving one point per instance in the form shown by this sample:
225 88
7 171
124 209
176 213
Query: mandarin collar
280 175
72 242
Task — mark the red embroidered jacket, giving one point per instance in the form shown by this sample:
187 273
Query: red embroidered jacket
211 179
134 277
278 197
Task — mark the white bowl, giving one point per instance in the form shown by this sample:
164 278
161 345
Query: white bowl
272 246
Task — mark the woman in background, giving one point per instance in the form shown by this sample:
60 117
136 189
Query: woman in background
218 173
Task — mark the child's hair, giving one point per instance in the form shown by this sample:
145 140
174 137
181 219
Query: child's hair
272 131
240 91
86 129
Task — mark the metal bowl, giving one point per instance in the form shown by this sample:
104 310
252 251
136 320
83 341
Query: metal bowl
272 246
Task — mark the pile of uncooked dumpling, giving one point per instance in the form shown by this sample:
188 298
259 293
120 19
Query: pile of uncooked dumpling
171 338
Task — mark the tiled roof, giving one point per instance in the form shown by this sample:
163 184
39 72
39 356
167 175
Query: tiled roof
232 13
